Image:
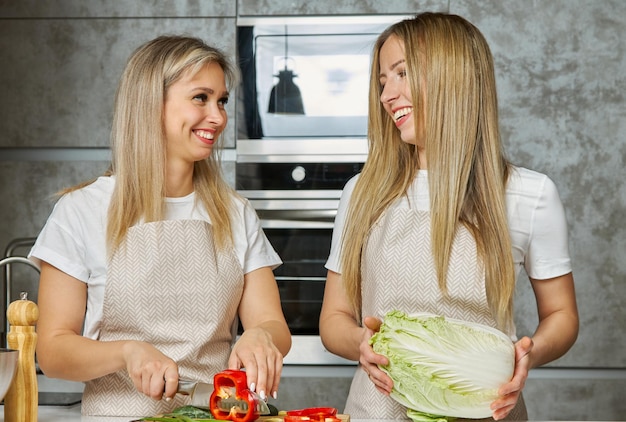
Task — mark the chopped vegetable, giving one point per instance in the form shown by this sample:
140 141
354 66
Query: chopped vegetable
233 385
313 418
171 417
193 412
183 414
443 368
314 414
313 411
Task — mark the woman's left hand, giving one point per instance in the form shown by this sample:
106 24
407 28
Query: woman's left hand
510 392
370 360
255 351
266 337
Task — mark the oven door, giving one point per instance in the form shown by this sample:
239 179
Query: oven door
300 231
302 276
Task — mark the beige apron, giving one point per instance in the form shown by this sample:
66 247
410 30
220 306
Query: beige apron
398 253
170 287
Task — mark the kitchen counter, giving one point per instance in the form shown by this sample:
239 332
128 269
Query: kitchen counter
72 414
67 414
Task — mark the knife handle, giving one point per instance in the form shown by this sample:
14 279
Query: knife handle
186 387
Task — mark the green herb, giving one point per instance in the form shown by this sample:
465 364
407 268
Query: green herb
184 414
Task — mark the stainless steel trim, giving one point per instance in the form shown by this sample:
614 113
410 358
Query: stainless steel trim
299 278
309 350
295 224
290 204
310 158
291 209
318 371
295 150
292 194
320 20
298 214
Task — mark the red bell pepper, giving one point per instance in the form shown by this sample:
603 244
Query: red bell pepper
312 418
313 414
233 385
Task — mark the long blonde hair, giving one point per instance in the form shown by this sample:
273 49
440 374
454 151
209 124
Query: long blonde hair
138 140
448 58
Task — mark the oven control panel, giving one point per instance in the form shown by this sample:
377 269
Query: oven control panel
290 176
298 174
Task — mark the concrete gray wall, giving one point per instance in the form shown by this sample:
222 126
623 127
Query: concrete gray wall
561 80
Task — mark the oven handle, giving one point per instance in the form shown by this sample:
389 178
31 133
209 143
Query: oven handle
310 214
296 224
298 278
297 219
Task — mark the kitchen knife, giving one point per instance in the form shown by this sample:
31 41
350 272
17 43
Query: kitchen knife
200 394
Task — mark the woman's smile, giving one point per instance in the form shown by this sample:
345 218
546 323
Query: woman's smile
206 135
401 115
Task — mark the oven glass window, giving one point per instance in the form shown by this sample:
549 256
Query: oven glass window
302 276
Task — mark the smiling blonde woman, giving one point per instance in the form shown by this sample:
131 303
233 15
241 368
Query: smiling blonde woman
146 271
439 221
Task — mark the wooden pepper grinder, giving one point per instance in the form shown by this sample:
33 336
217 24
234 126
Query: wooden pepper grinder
21 401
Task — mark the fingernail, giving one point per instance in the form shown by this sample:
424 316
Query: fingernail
168 399
262 394
275 395
252 387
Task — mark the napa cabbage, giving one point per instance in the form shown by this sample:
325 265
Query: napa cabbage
443 368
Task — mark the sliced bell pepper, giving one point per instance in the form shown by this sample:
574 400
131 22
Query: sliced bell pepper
313 414
233 385
313 418
309 411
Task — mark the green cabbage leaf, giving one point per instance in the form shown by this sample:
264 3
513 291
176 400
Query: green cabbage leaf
443 368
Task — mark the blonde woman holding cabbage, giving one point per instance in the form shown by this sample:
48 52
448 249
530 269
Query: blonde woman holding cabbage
439 221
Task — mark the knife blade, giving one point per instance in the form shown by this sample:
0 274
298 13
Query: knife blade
231 401
198 392
200 395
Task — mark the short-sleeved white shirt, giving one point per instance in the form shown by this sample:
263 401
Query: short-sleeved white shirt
536 218
74 239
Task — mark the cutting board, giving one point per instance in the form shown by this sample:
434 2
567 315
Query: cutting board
281 418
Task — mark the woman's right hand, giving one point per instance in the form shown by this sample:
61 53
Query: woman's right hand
370 360
152 373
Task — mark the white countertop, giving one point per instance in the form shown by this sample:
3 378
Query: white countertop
68 414
72 414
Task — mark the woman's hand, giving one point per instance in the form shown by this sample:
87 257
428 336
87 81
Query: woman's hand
152 373
255 351
266 337
369 360
510 392
343 336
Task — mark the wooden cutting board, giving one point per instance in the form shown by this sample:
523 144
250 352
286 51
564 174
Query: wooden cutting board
281 418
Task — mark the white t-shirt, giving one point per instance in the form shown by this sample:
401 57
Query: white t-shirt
74 239
537 223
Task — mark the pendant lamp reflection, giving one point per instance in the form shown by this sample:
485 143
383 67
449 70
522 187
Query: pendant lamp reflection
285 96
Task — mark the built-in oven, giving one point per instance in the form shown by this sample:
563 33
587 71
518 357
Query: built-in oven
297 204
305 78
301 134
